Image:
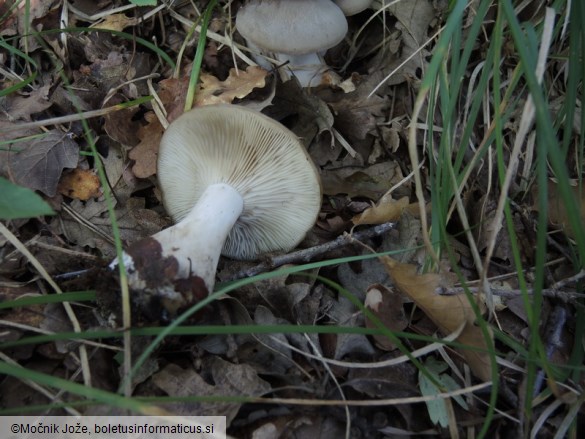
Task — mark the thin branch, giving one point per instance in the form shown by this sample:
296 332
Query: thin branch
308 254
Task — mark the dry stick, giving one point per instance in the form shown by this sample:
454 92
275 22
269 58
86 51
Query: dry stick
554 327
70 117
307 254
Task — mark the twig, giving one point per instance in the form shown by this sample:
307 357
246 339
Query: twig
553 292
308 254
552 339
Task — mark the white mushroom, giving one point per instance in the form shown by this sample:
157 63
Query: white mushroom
297 31
352 7
235 182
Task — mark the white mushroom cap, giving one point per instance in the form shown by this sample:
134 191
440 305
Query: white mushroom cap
352 7
292 27
255 155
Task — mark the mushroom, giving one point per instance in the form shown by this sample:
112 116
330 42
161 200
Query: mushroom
297 31
235 182
352 7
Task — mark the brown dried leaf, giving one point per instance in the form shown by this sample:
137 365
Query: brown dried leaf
414 18
145 154
134 222
238 84
386 304
116 22
82 184
447 312
39 164
172 94
21 105
371 182
357 113
229 379
557 212
386 210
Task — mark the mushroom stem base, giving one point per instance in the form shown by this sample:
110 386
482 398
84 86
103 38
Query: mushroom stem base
189 249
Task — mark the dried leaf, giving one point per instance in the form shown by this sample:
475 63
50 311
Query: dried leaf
82 184
238 84
172 94
557 212
134 221
447 312
357 113
116 22
40 163
371 182
22 105
414 18
386 210
145 154
386 304
229 379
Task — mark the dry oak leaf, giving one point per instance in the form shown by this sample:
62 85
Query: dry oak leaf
145 154
39 164
238 84
447 312
387 209
82 184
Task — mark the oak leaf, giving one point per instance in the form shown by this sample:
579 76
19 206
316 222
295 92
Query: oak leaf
447 312
39 164
238 84
145 154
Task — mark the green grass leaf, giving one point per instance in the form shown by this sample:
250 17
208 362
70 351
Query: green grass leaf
144 2
20 202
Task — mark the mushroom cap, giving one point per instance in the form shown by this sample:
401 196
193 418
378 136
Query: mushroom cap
292 27
352 7
257 156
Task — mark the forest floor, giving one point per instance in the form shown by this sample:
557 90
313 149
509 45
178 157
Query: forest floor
440 290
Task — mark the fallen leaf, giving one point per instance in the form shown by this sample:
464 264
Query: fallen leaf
371 182
557 211
116 22
314 116
386 304
172 92
413 21
229 379
134 222
386 210
145 154
238 84
21 105
357 113
39 164
447 312
82 184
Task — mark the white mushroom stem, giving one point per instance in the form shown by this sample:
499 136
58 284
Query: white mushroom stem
307 68
196 241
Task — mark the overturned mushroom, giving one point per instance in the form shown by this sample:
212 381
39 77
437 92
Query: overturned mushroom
235 182
297 31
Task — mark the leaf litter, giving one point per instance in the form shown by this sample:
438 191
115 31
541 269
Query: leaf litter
358 141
